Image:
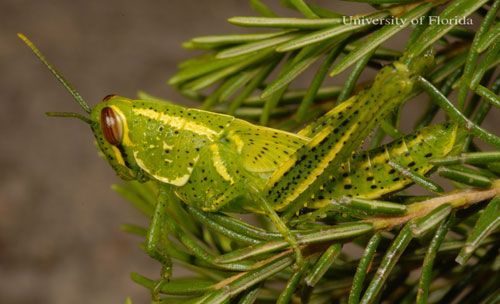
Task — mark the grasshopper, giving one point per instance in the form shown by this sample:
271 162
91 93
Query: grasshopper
217 162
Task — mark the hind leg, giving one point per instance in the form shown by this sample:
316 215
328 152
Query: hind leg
261 205
280 225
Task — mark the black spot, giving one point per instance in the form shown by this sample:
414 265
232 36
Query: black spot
411 164
392 171
347 186
369 178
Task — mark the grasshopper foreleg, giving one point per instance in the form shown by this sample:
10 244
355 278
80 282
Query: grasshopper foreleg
157 241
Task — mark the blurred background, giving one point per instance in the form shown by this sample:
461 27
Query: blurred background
59 220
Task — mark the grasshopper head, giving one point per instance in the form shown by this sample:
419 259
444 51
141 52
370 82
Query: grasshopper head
110 126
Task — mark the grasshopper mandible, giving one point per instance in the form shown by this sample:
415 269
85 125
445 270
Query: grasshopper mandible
217 162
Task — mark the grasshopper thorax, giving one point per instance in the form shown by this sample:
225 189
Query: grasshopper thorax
151 139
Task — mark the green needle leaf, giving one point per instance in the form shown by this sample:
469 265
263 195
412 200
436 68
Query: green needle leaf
378 2
292 23
417 178
488 38
486 224
456 10
379 37
249 279
210 42
254 46
362 269
448 68
328 33
291 72
488 95
250 296
315 86
292 284
477 158
215 76
388 262
187 286
136 200
303 8
430 256
465 177
489 61
134 229
350 83
374 207
261 74
261 8
201 67
209 222
456 115
339 232
323 264
427 223
473 55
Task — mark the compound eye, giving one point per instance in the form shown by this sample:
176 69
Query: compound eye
108 97
111 126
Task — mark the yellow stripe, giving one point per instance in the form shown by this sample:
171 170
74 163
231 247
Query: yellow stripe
180 181
318 170
178 123
126 139
237 141
118 155
452 140
319 137
278 174
341 107
219 164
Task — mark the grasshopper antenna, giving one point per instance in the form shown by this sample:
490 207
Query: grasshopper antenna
79 99
70 115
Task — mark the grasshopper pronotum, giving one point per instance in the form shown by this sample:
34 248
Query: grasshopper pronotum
217 162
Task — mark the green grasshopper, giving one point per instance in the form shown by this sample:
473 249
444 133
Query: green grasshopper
217 162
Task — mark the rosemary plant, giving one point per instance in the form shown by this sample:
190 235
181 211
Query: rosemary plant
397 248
